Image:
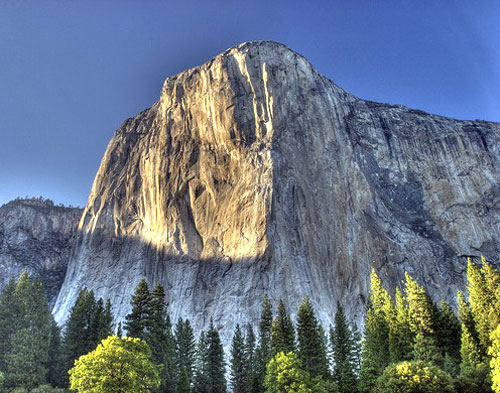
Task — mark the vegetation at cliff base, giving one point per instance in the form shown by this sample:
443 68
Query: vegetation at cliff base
409 344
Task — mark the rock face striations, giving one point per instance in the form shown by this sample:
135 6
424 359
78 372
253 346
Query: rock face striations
255 174
37 235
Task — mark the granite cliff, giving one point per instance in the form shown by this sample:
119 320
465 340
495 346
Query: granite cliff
255 174
37 235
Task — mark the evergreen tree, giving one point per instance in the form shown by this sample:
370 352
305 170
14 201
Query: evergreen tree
162 342
201 382
311 346
79 337
119 330
28 357
282 334
185 354
400 335
55 375
137 321
484 287
251 377
375 355
343 349
263 354
238 363
10 314
357 345
471 351
448 331
215 362
421 318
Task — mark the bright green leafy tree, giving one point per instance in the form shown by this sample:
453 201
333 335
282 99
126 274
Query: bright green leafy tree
414 377
494 352
117 365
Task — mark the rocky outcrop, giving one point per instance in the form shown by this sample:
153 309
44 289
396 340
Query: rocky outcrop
255 174
37 235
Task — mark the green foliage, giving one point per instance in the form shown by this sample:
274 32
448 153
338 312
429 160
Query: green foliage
284 374
375 355
263 352
421 322
89 322
400 335
343 351
251 376
311 342
10 314
55 375
414 377
28 356
448 330
185 354
162 342
283 334
494 352
474 379
471 350
117 365
238 363
215 362
201 380
137 321
48 389
484 288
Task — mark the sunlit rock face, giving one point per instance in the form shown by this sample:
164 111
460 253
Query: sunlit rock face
255 174
37 235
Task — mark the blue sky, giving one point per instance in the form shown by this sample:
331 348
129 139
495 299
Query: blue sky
72 71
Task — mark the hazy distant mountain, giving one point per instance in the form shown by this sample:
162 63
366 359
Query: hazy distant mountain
37 235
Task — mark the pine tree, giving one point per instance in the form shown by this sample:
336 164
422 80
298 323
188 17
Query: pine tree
375 355
137 321
10 314
400 335
185 354
263 353
55 375
201 381
79 338
27 360
311 347
421 318
251 377
358 345
215 362
119 330
282 333
484 287
101 322
448 331
471 351
162 342
343 349
238 363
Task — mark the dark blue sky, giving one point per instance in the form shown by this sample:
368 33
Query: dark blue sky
72 71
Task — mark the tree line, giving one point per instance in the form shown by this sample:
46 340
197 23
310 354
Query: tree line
409 343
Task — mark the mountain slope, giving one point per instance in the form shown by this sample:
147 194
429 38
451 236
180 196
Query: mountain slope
255 174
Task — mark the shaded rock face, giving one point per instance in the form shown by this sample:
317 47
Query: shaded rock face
255 174
37 235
